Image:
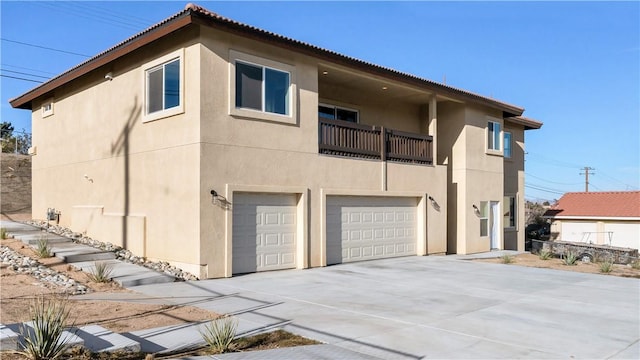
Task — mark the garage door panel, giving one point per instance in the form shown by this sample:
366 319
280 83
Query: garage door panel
264 228
370 228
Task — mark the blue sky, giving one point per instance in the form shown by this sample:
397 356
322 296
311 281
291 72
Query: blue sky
573 65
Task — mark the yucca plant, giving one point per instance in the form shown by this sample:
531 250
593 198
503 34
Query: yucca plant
507 259
570 258
219 333
46 341
101 272
606 266
42 248
545 254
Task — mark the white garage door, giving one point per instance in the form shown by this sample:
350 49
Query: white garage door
579 232
623 235
366 228
264 232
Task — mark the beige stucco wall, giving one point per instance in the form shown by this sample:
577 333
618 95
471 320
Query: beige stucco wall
250 153
142 177
514 186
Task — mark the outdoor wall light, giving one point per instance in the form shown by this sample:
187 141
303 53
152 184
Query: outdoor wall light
109 76
214 193
476 210
88 178
475 207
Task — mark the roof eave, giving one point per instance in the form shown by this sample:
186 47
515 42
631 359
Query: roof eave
529 124
181 20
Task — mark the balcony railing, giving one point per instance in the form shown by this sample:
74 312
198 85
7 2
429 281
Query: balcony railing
344 138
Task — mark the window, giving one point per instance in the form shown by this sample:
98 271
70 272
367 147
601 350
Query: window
164 86
507 144
493 136
262 88
337 113
484 218
510 214
47 108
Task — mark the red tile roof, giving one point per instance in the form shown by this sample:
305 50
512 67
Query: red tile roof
597 204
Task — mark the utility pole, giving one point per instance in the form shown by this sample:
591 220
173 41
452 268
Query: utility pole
586 176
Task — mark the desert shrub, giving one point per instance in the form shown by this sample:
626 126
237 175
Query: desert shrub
507 259
101 272
3 233
636 265
46 340
219 333
570 258
42 248
545 254
606 266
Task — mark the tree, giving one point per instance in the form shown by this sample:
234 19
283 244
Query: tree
14 141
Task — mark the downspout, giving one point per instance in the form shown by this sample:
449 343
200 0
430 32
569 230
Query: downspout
383 156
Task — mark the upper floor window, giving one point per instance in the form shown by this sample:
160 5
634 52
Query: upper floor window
164 86
262 88
337 113
493 136
507 144
47 108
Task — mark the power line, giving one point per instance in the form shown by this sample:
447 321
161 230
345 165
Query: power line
44 47
586 177
549 181
23 73
26 68
83 13
544 190
19 78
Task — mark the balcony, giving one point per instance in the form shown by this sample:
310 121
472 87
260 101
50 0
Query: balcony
343 138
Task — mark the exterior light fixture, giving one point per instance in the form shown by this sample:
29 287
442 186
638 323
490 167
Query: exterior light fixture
385 88
109 76
325 72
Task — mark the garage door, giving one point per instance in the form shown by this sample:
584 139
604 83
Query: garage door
366 228
579 232
264 232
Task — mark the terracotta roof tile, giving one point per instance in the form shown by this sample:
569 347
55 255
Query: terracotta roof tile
597 204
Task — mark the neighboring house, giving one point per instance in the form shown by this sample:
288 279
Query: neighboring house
606 218
225 149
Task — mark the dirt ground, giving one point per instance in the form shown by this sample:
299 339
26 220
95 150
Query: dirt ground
555 263
17 291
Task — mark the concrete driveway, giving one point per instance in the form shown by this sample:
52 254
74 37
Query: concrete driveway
434 307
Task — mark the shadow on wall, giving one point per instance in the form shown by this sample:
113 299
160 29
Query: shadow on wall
121 148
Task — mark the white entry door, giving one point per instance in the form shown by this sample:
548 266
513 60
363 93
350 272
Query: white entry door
494 230
366 228
264 232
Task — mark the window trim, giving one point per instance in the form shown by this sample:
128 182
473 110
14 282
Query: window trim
336 107
506 224
504 144
47 112
489 150
161 114
248 113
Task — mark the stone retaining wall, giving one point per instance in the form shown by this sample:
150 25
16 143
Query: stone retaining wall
15 183
592 251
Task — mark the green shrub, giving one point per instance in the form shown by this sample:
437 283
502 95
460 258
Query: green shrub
42 249
545 254
219 333
636 265
3 233
570 258
507 259
101 272
46 340
606 266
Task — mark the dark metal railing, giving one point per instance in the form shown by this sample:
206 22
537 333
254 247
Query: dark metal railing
337 137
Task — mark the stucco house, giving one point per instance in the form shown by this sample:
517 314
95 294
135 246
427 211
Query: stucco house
226 149
603 218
